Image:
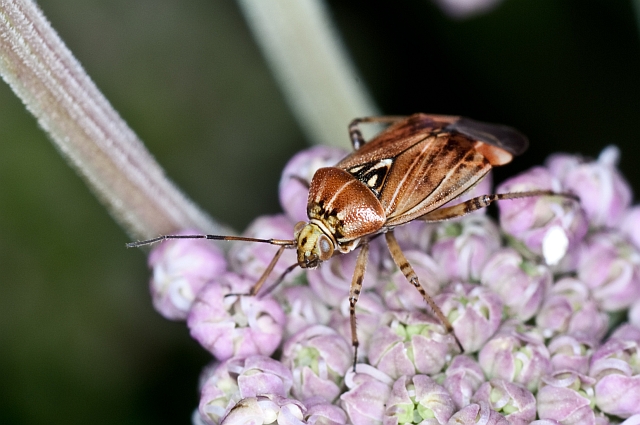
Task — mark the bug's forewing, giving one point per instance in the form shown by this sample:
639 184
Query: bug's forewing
430 174
426 164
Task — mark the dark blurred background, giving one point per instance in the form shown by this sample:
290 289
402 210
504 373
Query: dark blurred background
79 340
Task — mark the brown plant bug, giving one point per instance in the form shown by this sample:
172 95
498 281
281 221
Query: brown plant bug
407 172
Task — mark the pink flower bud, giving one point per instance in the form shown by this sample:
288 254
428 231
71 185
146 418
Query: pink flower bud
568 309
321 413
181 267
368 391
616 369
478 413
318 358
369 309
462 378
302 309
604 193
266 410
463 247
515 402
235 325
627 332
218 394
571 353
260 375
610 267
560 164
629 225
238 378
417 399
520 284
301 168
564 397
474 311
251 259
549 226
399 294
515 357
407 343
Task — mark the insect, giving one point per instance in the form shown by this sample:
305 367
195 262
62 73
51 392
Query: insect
407 172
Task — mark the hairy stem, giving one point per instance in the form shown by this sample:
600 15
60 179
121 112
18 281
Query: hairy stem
86 129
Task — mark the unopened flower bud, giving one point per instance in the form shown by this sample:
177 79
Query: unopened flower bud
236 325
627 332
252 259
565 396
399 294
302 309
181 267
369 309
462 378
615 366
266 410
463 247
368 391
515 402
478 413
569 309
407 343
474 311
318 358
515 357
260 375
610 267
218 393
571 353
521 284
322 413
417 399
535 220
604 193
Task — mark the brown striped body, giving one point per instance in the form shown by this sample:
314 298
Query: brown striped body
410 169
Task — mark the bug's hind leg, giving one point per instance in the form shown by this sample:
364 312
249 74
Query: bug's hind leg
412 277
357 140
484 201
354 294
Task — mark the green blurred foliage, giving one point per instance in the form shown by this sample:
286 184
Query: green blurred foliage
79 340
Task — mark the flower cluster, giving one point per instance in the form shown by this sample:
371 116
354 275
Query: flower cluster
536 301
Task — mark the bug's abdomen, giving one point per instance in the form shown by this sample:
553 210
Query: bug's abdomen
347 207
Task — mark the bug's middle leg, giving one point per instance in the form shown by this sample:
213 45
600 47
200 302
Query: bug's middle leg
354 294
406 269
357 140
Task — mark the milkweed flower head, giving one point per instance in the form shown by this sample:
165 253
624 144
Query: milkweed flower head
531 298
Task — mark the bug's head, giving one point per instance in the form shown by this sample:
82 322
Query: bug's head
314 245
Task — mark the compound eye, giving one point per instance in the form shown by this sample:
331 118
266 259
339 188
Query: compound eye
325 247
298 228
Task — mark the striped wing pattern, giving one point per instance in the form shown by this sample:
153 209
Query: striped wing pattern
418 165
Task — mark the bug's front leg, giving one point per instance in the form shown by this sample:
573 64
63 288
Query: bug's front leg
406 269
484 201
354 294
357 140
